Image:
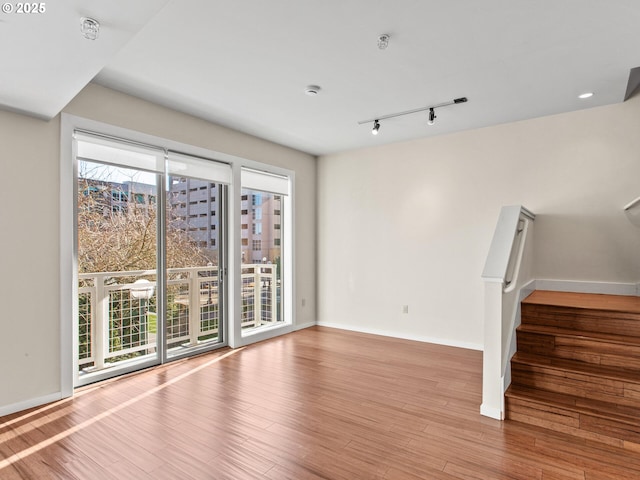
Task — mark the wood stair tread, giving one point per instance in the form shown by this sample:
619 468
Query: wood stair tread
598 408
574 366
612 303
577 367
583 334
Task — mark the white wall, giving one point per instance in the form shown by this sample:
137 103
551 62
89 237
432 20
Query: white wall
30 218
405 224
29 266
411 223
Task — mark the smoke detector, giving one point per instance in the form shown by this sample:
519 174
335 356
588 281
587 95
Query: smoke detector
383 41
312 90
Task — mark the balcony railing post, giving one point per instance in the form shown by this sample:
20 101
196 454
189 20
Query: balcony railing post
101 323
257 299
194 307
273 293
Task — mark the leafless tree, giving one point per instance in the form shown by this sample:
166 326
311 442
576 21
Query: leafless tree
115 236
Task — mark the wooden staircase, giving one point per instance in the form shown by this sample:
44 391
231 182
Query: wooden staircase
577 368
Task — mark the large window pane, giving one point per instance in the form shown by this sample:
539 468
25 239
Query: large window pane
116 233
193 263
261 259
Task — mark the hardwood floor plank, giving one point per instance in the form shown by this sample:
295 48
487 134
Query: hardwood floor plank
399 474
315 404
471 471
172 471
292 472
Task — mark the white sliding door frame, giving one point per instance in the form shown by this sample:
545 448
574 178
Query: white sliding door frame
231 243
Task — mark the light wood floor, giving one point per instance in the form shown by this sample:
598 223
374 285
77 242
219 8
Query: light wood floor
316 404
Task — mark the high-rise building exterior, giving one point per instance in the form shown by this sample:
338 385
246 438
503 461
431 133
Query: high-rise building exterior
261 225
195 209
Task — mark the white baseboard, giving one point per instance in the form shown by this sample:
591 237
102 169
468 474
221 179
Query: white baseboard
608 288
304 325
417 338
490 412
32 402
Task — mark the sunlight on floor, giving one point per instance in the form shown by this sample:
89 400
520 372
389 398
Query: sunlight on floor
66 433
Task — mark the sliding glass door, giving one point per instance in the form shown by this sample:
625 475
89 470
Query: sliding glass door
150 255
195 254
117 259
150 277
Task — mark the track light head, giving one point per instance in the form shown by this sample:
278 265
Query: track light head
432 117
376 127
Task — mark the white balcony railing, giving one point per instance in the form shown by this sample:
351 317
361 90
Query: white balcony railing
117 317
260 295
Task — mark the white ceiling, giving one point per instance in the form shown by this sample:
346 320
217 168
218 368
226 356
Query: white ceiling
245 63
44 59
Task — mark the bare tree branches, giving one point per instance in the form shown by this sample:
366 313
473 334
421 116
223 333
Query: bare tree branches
116 232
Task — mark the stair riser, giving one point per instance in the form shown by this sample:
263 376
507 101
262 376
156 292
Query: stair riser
580 349
580 374
581 385
582 425
598 321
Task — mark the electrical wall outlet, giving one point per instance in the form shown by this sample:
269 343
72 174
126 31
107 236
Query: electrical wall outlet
405 308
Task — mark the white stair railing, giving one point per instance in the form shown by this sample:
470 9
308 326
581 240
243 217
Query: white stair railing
508 274
632 211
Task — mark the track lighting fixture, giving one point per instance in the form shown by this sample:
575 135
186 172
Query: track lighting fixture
432 117
431 108
376 127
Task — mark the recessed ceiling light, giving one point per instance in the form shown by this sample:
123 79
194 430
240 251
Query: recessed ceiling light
312 90
586 95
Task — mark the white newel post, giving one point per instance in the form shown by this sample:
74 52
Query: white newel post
492 388
507 272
